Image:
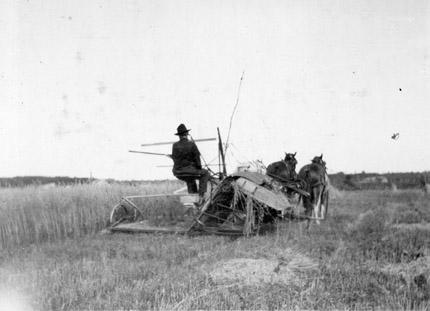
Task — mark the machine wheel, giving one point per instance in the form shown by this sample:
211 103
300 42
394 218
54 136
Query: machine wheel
123 212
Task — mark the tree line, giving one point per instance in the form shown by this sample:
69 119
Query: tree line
23 181
341 181
362 181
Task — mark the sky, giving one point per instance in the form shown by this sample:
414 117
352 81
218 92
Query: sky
82 82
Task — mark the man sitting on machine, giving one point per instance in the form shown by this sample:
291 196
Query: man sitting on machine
187 165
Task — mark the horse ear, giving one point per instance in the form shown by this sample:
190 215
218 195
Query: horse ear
295 153
321 156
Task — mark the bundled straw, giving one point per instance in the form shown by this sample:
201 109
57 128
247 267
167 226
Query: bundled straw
285 268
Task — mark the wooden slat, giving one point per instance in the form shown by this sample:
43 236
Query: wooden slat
259 193
255 177
172 142
146 228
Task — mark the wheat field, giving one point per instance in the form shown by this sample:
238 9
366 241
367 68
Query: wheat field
371 253
33 215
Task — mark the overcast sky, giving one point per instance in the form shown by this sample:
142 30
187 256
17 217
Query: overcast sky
84 81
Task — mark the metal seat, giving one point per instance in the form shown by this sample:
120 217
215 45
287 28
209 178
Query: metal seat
188 177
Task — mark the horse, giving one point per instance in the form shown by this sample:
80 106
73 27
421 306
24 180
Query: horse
316 184
285 169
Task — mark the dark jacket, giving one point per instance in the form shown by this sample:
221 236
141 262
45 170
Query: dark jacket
185 154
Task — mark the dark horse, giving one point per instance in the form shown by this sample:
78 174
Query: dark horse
316 184
285 169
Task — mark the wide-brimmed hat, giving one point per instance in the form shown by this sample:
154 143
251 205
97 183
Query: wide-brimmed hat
182 129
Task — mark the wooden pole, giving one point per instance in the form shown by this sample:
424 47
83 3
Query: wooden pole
172 142
221 151
154 153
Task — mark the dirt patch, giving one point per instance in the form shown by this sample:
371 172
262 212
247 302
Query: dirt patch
286 268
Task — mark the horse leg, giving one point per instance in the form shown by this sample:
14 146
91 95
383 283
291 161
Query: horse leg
325 196
323 210
324 204
317 206
308 206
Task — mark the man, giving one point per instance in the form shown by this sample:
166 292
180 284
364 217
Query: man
187 165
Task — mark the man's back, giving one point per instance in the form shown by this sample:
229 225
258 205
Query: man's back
184 154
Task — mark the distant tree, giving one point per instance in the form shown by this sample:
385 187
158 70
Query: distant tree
349 183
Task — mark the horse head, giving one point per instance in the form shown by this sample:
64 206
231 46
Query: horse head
290 158
319 160
285 169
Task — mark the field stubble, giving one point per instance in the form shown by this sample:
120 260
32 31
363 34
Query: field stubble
372 253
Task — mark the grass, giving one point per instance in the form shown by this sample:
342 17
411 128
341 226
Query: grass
34 215
369 256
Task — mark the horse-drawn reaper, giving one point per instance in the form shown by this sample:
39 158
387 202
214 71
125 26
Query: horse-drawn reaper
241 203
